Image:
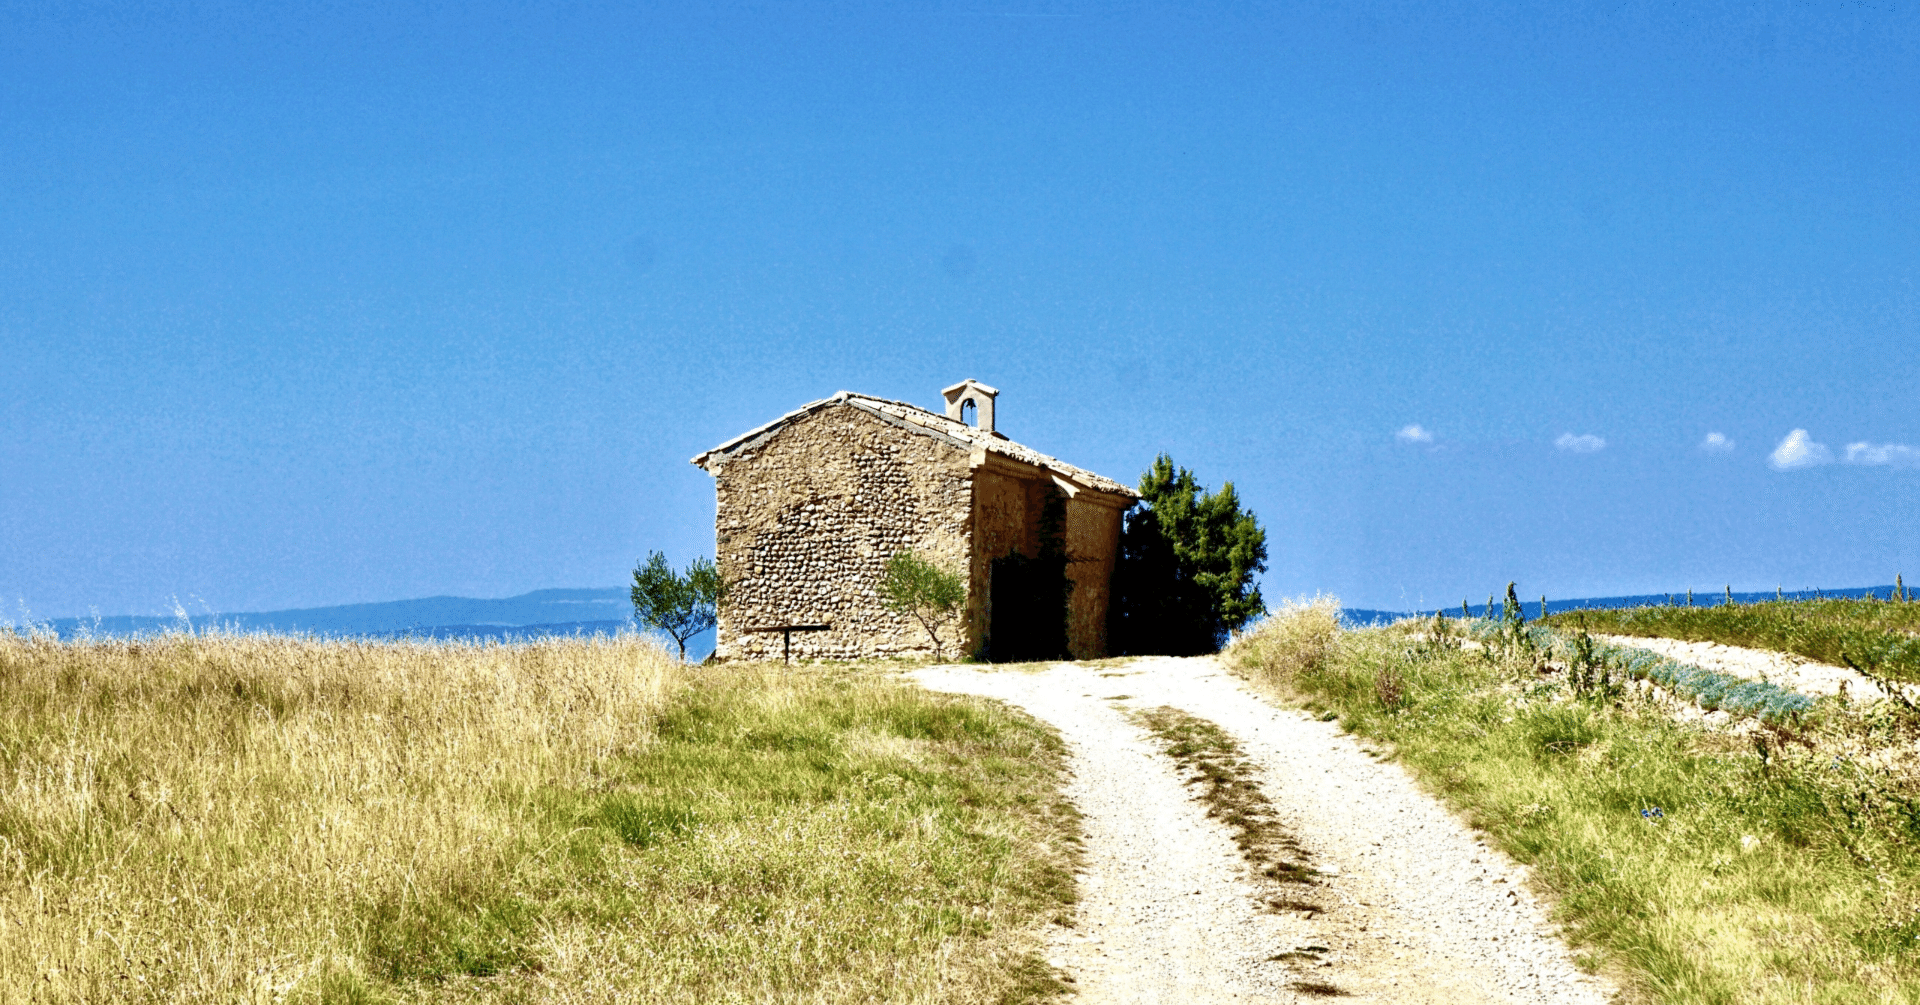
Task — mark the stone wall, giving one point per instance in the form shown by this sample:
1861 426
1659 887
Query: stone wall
1093 542
807 520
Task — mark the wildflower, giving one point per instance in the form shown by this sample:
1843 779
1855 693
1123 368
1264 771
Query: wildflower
1652 815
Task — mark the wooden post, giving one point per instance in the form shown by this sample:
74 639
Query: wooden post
786 636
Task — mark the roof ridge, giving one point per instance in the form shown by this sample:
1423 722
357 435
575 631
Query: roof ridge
955 429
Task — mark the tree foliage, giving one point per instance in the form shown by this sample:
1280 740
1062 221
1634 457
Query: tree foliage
682 605
1184 578
915 585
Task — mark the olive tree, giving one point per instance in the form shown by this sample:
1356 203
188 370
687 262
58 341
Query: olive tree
681 604
933 595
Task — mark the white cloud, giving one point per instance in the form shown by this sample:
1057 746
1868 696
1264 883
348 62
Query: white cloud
1586 443
1716 443
1892 454
1414 433
1799 451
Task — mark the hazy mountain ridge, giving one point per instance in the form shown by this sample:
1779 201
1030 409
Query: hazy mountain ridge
609 611
555 611
1354 616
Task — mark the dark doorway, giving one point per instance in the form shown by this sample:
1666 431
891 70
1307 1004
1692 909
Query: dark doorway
1030 595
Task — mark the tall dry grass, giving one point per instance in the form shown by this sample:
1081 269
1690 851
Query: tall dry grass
209 818
220 818
1298 638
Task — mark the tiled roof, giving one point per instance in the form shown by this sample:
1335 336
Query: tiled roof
932 423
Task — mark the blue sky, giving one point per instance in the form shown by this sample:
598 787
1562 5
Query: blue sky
384 300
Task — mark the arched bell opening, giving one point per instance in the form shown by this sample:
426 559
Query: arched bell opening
971 402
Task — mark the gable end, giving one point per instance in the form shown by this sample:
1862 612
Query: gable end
712 459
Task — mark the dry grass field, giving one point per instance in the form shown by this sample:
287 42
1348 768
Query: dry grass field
208 818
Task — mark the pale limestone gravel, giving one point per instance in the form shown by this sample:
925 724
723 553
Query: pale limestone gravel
1419 910
1795 673
1166 912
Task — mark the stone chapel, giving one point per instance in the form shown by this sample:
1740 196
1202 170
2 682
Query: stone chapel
814 503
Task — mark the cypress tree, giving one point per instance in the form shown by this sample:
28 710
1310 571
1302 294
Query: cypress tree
1184 578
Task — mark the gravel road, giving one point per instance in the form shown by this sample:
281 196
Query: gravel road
1413 906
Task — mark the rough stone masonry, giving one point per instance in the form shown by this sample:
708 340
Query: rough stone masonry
814 503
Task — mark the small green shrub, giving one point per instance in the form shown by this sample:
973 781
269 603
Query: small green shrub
344 987
1559 729
644 823
1390 688
456 929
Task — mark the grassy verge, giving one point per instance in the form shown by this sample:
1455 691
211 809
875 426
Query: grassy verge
219 819
1776 865
1875 634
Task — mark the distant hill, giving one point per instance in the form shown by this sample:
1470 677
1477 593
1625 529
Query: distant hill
546 613
1363 616
542 612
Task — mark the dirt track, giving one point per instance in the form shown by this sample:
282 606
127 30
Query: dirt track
1414 908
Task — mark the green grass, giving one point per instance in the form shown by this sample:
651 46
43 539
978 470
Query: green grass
1877 634
226 819
786 831
1695 866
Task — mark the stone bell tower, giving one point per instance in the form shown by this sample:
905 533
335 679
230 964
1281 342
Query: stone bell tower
971 392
